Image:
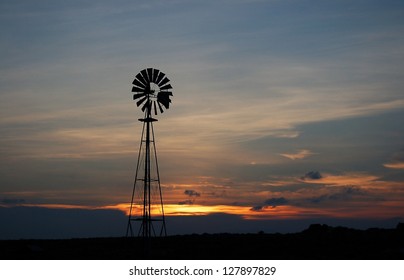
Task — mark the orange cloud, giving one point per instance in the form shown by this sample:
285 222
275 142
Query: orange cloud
395 165
343 180
299 155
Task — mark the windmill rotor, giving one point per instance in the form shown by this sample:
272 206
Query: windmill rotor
151 91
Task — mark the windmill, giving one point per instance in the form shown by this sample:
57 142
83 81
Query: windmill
152 93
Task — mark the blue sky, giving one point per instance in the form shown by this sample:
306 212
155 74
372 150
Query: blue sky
265 92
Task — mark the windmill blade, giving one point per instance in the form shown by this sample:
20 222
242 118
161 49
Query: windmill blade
141 101
168 86
164 94
147 105
155 107
161 109
150 74
155 74
141 79
138 95
145 93
160 77
163 82
137 83
144 106
165 103
164 98
144 73
137 89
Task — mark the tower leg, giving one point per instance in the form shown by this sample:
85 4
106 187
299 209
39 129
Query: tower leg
146 213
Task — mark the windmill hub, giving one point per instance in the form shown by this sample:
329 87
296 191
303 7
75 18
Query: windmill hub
154 88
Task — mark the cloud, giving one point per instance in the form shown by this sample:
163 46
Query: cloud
394 165
301 154
397 161
186 202
12 201
342 194
349 179
40 222
276 201
272 203
257 208
312 175
192 193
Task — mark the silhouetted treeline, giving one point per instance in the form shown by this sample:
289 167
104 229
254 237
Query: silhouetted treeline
316 242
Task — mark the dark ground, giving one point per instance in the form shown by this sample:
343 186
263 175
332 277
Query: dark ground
316 242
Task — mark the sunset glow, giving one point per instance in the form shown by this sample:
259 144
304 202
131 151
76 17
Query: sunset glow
281 110
379 210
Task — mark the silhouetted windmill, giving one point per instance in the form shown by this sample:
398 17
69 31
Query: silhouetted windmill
152 91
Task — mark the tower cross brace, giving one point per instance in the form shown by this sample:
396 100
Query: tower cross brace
147 200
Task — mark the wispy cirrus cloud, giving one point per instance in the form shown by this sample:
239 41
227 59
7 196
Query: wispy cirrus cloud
394 165
301 154
352 178
397 161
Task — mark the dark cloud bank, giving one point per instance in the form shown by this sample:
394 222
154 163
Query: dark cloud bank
43 223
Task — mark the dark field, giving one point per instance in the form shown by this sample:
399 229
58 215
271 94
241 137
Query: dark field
316 242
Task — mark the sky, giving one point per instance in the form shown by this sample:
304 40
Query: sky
284 113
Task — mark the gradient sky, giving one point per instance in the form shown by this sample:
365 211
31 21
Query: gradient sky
281 109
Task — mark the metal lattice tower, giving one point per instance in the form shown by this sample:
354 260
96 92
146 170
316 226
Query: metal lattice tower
146 214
